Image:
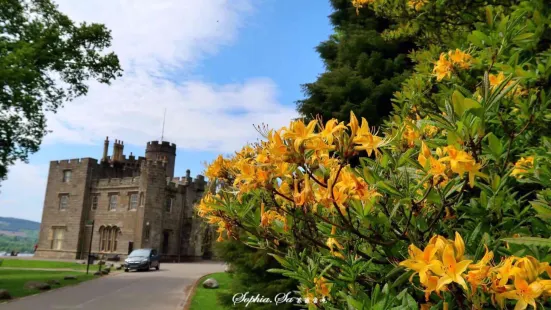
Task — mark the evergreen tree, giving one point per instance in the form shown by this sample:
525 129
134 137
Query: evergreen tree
362 69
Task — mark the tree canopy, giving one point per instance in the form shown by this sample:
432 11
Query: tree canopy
45 60
363 69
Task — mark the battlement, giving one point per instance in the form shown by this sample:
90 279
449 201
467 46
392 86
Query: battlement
75 162
130 181
153 163
182 182
161 146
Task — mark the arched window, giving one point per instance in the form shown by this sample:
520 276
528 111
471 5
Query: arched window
108 238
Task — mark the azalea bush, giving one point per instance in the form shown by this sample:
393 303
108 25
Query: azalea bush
445 206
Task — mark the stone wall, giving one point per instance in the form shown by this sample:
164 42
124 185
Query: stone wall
71 219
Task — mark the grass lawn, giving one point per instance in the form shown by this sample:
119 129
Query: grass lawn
205 298
30 263
14 280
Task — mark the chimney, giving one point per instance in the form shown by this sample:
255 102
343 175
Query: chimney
116 150
121 150
105 149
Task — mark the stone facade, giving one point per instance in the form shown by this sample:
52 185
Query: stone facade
132 203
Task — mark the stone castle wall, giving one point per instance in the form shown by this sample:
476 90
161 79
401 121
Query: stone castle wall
147 178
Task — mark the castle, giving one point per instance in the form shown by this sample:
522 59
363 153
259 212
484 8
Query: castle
119 204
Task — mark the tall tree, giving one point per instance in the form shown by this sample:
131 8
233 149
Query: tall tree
45 60
362 69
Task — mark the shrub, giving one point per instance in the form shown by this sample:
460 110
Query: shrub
462 171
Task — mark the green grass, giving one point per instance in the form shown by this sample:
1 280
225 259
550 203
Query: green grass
14 280
205 298
30 263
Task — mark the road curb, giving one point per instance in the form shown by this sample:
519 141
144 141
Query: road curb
190 289
58 289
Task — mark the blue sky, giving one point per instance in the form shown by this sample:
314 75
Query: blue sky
217 66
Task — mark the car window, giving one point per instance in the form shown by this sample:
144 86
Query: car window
140 253
154 252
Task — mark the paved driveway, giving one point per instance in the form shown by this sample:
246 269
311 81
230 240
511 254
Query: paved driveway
158 290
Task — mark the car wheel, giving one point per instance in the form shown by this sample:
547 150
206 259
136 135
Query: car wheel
125 270
158 265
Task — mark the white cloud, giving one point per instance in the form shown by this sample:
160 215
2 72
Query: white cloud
152 37
22 195
148 33
199 116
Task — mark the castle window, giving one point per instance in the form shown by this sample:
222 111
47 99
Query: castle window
108 238
63 202
66 176
57 238
113 202
95 199
146 235
141 199
168 205
133 205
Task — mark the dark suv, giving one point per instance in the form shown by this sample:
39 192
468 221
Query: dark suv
142 259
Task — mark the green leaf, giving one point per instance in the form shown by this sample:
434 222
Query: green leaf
529 241
495 144
402 279
387 188
542 208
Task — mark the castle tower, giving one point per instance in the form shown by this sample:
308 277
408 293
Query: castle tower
162 151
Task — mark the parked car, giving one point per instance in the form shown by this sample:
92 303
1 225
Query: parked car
142 259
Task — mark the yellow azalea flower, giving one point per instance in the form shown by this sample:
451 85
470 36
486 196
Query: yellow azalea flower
215 169
459 246
330 129
496 80
443 68
524 293
322 287
354 124
299 132
430 286
304 196
366 140
450 269
505 271
473 168
522 166
340 197
478 278
530 268
417 4
457 159
276 145
439 243
437 170
420 261
410 135
332 242
424 155
488 256
460 59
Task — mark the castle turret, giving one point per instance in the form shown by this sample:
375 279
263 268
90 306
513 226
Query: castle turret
162 151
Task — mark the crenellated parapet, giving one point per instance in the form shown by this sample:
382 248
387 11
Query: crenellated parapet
75 162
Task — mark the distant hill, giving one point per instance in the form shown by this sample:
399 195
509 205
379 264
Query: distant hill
15 225
17 234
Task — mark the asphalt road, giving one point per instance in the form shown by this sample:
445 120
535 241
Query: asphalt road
159 290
